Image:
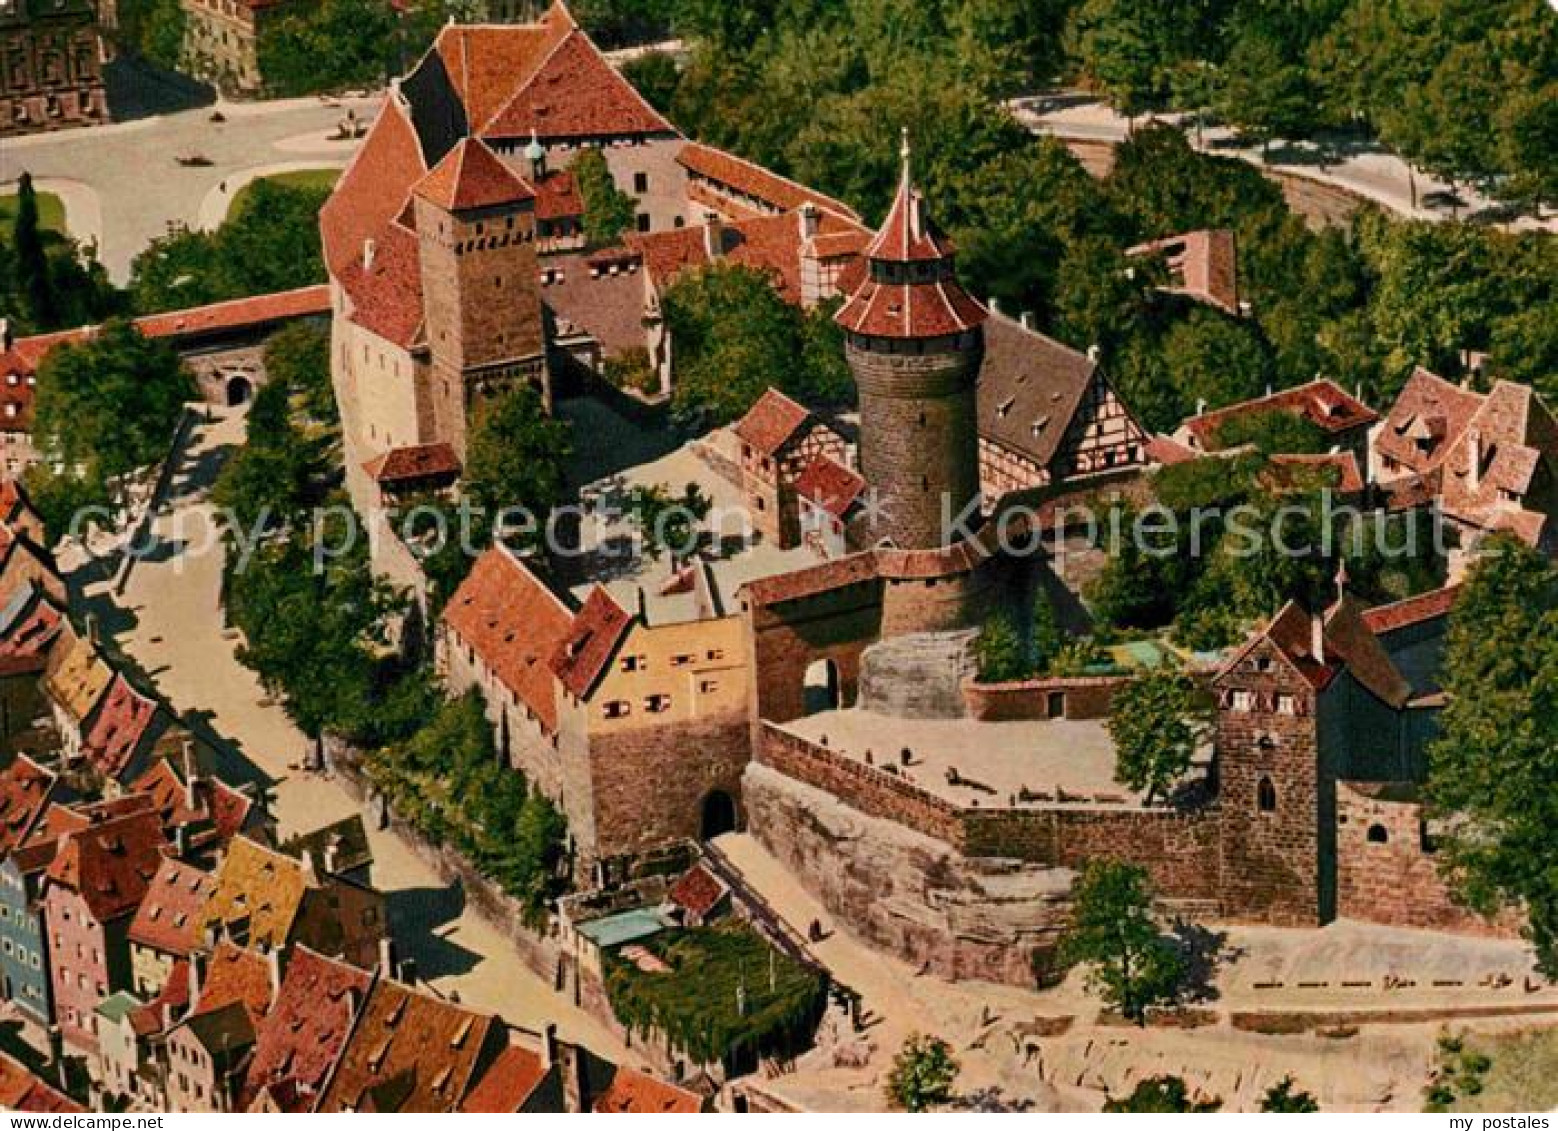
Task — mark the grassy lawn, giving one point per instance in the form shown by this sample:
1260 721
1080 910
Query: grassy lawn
1523 1075
51 211
322 179
694 1003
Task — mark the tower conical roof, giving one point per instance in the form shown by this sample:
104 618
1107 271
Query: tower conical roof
907 235
472 176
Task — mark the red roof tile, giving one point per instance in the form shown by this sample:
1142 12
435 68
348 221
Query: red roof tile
471 176
25 788
772 423
238 313
308 1026
172 999
236 975
1348 635
168 918
592 639
1429 415
124 718
515 624
1322 402
557 196
1412 610
907 235
698 891
1512 435
421 462
830 485
386 294
20 1090
111 864
373 190
216 813
1167 451
508 1082
485 62
575 93
1204 263
640 1093
821 578
751 179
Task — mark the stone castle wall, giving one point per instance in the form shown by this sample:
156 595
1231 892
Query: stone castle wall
1080 697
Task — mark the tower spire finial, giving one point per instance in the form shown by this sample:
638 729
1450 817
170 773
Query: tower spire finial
904 151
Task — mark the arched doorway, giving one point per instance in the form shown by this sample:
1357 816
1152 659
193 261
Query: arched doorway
821 688
239 391
719 815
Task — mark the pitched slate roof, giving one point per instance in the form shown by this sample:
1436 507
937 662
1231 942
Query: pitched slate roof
515 623
1030 387
308 1026
25 789
110 864
508 1082
592 640
772 422
410 1052
471 176
168 919
752 180
1322 402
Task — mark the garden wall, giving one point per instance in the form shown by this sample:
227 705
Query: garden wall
1058 697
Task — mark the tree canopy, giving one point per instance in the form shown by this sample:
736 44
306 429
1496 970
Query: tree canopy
923 1073
1156 722
516 455
1131 963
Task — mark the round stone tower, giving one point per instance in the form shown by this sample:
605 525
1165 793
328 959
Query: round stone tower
914 340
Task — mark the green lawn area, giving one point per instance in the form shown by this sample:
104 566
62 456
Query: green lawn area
323 179
1523 1075
51 212
694 1003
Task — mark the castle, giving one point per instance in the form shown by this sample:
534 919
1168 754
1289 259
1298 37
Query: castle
811 684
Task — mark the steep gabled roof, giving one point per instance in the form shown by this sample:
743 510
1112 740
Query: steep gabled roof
772 422
471 176
592 640
508 1082
1030 387
308 1026
373 190
168 918
386 292
25 789
485 62
515 624
235 974
1348 635
1322 402
258 887
638 1092
830 486
123 721
111 864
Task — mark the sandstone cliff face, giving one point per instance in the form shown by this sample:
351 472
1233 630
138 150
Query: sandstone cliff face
962 918
919 676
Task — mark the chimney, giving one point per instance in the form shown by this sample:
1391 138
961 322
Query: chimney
332 855
1093 352
549 1044
408 971
995 305
368 247
92 631
386 957
571 1071
1200 406
273 961
811 220
180 841
1474 452
1317 637
6 338
713 236
191 773
197 975
1026 319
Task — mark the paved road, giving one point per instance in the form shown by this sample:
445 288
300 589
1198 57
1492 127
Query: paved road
170 622
123 186
1369 171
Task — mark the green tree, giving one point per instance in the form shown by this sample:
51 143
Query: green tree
608 211
998 651
107 406
1128 49
1156 724
31 260
298 358
1285 1097
154 30
1494 768
656 76
923 1074
668 522
1046 638
1162 1095
1264 85
1273 433
517 455
1112 931
332 45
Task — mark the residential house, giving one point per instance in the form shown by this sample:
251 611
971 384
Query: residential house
1342 418
75 680
166 928
200 812
207 1054
306 1032
340 848
779 440
21 1089
26 791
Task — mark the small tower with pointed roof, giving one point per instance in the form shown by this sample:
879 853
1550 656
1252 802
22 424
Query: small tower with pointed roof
914 340
476 229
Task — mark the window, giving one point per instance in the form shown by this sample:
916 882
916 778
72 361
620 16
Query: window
643 221
640 183
616 709
657 704
1243 700
708 686
716 653
632 663
682 660
1378 835
1266 796
1286 705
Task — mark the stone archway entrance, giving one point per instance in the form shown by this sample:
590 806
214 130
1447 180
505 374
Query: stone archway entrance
821 689
239 390
719 815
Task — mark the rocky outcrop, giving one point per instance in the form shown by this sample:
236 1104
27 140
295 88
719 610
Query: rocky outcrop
960 917
918 676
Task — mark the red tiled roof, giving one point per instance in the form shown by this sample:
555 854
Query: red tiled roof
584 653
373 190
515 624
697 891
557 196
1429 415
1349 636
410 1052
507 1083
236 975
110 864
484 62
1167 451
124 717
25 788
472 176
1322 402
168 918
308 1026
821 578
220 810
20 1090
772 422
1513 435
1412 610
421 462
753 180
238 313
830 485
902 310
1205 263
575 93
386 295
907 235
640 1093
